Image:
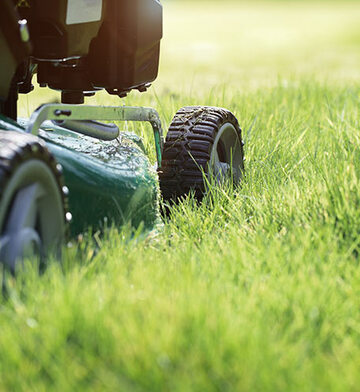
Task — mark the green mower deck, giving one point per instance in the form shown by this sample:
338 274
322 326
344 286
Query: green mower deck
106 180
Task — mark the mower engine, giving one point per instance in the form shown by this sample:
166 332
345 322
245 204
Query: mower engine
79 47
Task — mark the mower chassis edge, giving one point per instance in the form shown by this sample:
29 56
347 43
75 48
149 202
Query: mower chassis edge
61 112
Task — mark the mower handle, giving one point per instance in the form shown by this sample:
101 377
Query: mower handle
64 112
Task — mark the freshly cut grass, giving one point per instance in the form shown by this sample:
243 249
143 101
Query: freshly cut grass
257 288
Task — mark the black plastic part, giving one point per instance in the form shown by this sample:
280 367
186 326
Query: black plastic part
53 38
187 149
125 54
14 53
26 86
72 97
67 75
9 106
9 27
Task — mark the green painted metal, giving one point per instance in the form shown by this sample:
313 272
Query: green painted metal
65 112
106 180
9 125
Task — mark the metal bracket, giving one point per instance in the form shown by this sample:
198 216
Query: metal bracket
63 112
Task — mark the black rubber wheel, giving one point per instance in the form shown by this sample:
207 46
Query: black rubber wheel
200 140
32 199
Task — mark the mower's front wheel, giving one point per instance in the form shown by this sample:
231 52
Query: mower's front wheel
32 213
200 141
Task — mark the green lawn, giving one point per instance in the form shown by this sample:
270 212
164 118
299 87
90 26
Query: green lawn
257 289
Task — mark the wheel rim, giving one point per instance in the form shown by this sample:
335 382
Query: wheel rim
31 213
226 158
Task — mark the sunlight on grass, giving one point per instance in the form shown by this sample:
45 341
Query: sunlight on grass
256 288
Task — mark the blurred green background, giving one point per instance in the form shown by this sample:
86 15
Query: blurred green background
242 45
252 43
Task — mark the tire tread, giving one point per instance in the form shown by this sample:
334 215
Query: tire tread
187 149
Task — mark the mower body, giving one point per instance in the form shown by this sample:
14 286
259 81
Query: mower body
79 47
109 182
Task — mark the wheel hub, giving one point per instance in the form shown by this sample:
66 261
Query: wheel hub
20 238
226 157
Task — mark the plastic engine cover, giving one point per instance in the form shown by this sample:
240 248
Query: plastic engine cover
62 29
125 54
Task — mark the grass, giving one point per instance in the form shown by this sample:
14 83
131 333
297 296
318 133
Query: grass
258 288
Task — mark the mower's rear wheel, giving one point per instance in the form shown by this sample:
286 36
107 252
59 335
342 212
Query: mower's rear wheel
201 140
32 199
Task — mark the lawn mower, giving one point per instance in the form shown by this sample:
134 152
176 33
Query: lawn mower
69 167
